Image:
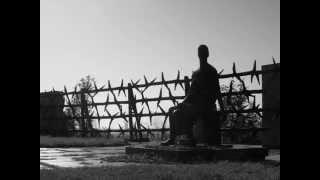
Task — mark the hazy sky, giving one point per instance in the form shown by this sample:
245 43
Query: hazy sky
115 39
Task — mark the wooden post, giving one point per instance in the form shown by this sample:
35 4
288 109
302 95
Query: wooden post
133 112
130 99
138 118
87 116
83 106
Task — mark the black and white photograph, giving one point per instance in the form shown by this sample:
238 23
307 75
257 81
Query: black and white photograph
160 89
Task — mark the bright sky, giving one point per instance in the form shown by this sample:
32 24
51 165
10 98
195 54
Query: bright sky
115 39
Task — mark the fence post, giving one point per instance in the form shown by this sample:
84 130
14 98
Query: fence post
83 107
131 101
87 117
135 114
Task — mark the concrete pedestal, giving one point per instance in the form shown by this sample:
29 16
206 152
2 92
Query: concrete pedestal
210 153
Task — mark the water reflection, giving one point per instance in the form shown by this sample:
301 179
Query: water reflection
79 157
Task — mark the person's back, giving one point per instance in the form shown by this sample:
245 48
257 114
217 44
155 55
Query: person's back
201 97
203 89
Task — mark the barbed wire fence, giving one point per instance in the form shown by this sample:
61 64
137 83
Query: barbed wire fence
135 105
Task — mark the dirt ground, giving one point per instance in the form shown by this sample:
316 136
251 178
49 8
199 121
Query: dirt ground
93 156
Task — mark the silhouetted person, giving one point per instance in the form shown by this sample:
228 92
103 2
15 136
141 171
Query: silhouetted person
200 99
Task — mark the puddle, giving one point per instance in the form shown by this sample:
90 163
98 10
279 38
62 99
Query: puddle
79 157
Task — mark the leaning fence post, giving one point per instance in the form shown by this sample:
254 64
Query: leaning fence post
130 99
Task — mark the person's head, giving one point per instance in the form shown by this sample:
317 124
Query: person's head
203 53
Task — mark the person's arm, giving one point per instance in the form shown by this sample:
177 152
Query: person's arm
189 96
220 102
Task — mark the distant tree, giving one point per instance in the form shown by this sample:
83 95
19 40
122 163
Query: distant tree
240 120
82 99
235 103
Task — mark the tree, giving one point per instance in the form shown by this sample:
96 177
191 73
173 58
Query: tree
239 120
82 111
236 103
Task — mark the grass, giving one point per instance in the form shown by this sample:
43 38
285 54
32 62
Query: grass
219 170
55 142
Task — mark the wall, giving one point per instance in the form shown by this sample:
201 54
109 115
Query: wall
52 118
271 99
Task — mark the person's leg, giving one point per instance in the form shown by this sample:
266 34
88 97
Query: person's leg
212 128
172 122
185 117
181 122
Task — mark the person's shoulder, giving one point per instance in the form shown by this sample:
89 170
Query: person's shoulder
212 69
195 73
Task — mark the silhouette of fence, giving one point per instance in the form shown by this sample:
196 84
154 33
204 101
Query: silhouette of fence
133 117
